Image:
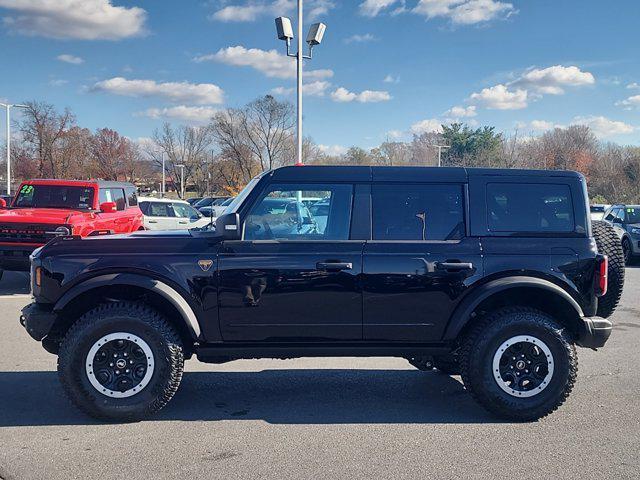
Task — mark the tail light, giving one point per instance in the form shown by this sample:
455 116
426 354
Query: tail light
601 280
38 279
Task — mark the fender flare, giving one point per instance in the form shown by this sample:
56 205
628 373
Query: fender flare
148 283
462 313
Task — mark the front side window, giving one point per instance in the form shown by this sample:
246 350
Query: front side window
633 214
281 213
54 196
515 207
418 212
185 211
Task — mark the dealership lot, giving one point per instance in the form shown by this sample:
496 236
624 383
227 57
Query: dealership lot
330 418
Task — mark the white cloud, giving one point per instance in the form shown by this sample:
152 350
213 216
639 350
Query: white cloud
201 114
499 97
391 79
343 95
313 89
537 126
552 80
333 150
253 10
395 134
58 82
604 127
357 38
65 57
269 62
371 8
633 86
630 103
74 19
200 93
461 112
426 126
465 12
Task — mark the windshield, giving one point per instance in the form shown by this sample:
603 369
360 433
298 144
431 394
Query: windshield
633 214
54 196
233 206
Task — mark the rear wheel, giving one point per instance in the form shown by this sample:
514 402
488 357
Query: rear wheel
121 361
609 244
519 364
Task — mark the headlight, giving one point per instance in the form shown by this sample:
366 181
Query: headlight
62 231
635 231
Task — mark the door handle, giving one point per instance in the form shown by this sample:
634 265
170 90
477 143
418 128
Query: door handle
454 266
153 221
334 266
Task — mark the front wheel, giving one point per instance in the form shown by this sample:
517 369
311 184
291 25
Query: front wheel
519 364
627 251
121 362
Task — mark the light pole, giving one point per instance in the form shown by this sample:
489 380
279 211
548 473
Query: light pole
314 37
181 167
162 189
440 147
8 106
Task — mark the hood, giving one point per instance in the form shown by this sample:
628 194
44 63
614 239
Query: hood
39 215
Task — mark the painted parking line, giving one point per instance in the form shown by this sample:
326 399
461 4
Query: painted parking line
15 295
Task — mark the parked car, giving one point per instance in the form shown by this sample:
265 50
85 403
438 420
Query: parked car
167 214
492 274
44 209
597 211
208 201
625 220
7 199
216 210
193 200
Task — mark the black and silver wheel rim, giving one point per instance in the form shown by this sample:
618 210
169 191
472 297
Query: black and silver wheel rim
523 366
120 365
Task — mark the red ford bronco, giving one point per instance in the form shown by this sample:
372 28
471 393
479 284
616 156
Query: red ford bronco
43 209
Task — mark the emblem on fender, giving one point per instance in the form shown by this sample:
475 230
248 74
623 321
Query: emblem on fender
205 265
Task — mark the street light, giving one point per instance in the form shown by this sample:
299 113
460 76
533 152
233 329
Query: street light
440 147
285 33
8 106
181 167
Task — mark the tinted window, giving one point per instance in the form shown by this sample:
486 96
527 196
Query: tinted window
281 214
156 209
132 198
514 207
54 196
185 211
633 214
417 212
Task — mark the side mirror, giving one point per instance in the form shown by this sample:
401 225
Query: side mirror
108 207
3 203
228 226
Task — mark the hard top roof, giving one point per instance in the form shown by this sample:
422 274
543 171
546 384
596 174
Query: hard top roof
337 173
79 183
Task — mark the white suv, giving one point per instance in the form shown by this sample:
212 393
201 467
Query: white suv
167 214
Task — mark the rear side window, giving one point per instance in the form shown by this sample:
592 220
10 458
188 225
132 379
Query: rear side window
156 209
132 198
418 212
526 207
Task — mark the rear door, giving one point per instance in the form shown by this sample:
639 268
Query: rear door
160 216
419 261
293 278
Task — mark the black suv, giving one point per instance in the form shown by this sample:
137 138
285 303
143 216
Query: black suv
491 274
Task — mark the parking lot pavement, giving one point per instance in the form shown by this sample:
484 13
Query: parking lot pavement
321 418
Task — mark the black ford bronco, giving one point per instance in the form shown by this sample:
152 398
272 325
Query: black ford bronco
495 275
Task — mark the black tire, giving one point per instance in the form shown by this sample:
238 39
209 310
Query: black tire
609 244
142 322
447 364
627 251
486 340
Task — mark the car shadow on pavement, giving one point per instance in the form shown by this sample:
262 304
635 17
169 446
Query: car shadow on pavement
332 396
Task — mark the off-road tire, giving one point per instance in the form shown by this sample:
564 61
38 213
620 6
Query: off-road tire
447 364
108 318
609 244
627 251
482 343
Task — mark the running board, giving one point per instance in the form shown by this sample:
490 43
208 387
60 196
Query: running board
225 352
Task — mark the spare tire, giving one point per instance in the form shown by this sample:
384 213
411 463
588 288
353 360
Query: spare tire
609 244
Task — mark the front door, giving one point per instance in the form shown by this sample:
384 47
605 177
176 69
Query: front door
418 263
295 274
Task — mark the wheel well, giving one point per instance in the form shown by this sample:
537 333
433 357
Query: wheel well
113 293
540 299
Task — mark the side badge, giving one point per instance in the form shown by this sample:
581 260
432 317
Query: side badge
205 265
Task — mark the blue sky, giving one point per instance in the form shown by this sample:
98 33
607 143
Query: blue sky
386 68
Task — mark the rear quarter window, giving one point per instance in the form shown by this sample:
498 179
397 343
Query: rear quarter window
529 208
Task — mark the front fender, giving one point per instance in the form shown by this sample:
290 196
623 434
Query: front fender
137 280
462 313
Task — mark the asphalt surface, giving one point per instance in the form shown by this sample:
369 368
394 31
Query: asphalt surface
320 418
